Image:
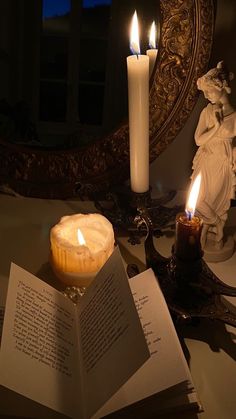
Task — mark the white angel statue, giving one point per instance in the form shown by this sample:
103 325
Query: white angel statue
215 157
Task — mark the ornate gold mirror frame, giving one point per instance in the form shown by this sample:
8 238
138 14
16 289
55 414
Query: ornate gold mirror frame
185 44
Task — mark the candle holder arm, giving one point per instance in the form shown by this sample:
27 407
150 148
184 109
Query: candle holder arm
219 286
122 207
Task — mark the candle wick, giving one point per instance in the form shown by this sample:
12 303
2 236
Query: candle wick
188 215
137 56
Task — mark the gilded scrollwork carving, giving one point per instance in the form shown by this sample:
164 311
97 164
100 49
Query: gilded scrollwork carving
186 39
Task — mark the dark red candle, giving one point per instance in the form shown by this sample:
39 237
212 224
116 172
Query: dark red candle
188 238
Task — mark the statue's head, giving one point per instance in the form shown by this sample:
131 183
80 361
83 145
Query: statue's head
217 78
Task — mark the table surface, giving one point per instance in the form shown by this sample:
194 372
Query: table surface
24 233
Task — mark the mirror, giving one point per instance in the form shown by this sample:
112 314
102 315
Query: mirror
82 50
186 31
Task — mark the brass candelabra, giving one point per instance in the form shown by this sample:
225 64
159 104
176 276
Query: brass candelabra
122 207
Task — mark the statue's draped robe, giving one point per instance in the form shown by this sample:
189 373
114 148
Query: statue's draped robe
215 159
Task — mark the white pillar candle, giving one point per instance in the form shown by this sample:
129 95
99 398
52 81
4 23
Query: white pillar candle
138 94
152 52
80 245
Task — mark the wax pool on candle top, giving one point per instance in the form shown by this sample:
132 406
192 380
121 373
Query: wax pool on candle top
76 260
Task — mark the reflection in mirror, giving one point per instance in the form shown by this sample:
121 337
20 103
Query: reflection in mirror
59 166
76 53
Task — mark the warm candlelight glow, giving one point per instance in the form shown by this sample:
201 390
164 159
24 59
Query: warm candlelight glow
188 228
134 35
193 197
80 245
80 237
152 36
152 51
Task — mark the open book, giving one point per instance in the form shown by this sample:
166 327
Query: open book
112 354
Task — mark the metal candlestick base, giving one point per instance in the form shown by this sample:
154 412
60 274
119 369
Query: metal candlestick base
122 207
191 290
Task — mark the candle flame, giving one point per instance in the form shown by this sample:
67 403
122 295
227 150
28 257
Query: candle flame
152 36
193 196
80 237
134 35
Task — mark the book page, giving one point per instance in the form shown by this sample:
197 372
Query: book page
39 353
167 366
112 342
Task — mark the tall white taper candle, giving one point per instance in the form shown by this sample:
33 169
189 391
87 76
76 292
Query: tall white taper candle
138 94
